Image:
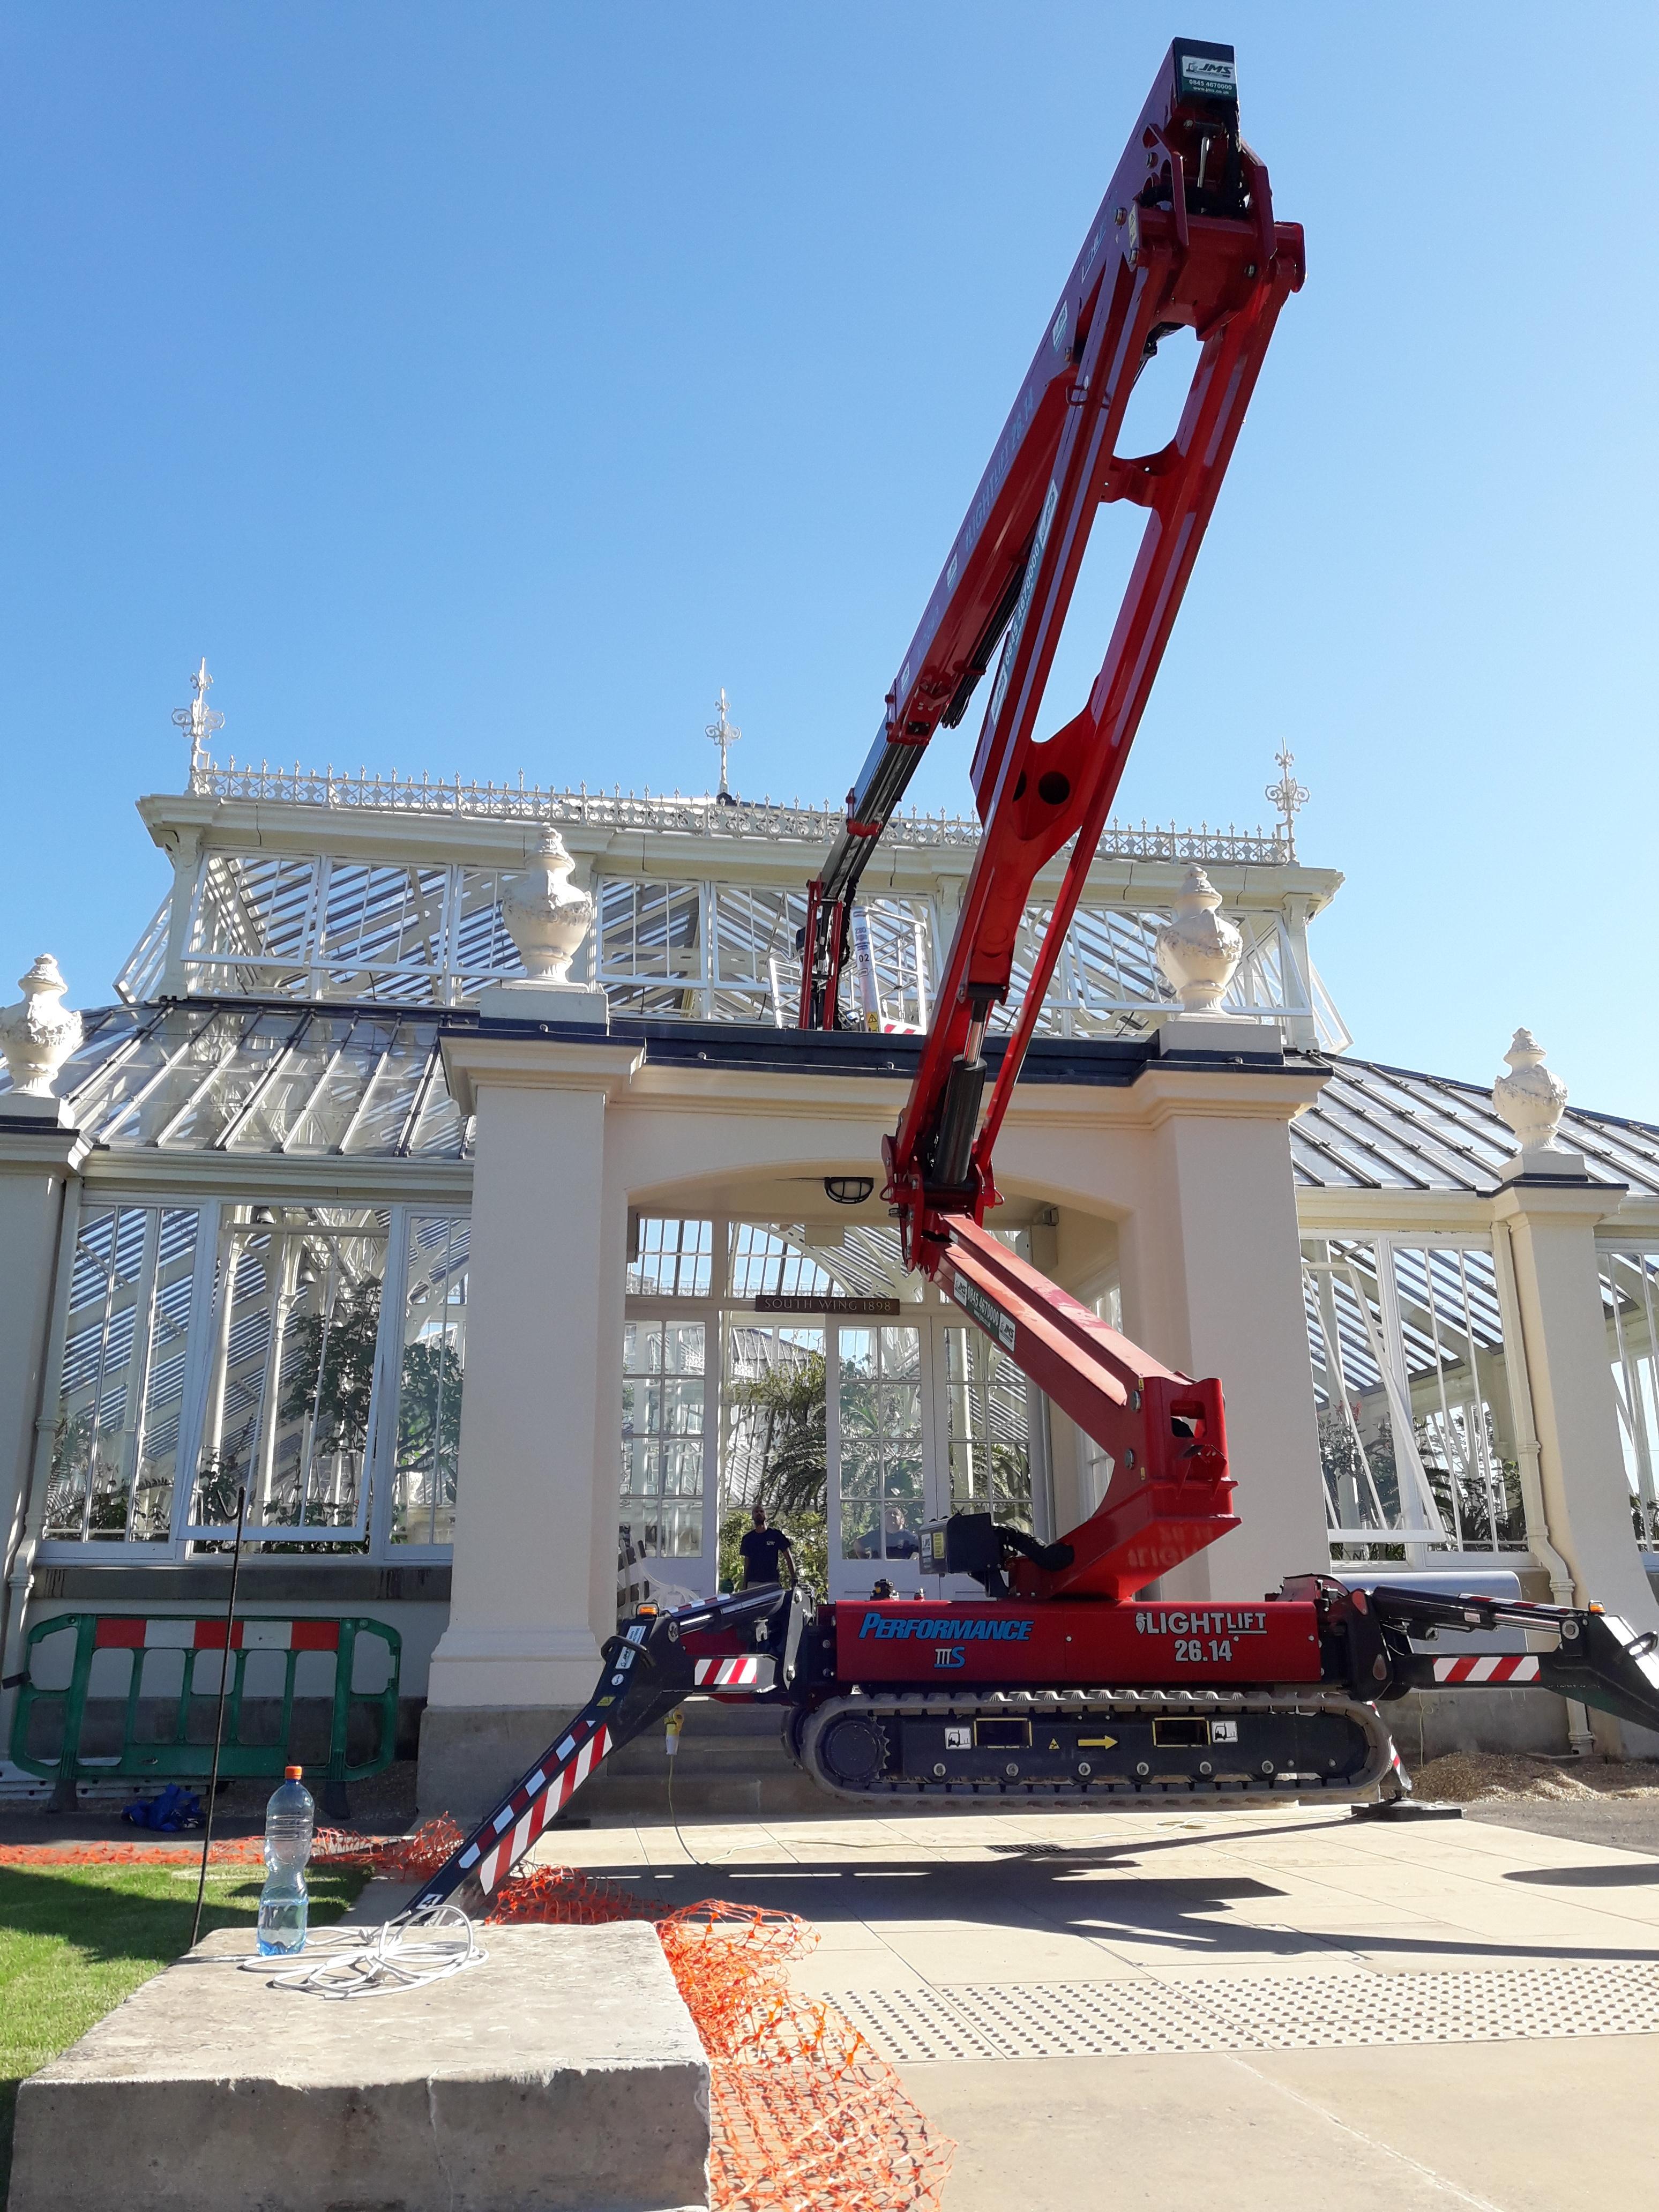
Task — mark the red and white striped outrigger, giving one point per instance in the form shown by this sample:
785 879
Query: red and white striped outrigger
650 1668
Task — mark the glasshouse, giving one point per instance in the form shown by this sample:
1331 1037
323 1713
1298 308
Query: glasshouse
497 1264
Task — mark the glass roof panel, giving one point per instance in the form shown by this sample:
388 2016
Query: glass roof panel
261 1079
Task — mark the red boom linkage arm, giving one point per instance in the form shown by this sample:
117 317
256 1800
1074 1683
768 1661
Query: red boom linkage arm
1185 238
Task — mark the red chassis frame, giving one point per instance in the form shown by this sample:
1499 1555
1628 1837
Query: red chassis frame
1185 238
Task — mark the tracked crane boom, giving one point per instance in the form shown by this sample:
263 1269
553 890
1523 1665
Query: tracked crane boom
1185 239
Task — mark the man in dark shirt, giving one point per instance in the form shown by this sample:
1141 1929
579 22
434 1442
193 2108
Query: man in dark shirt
761 1548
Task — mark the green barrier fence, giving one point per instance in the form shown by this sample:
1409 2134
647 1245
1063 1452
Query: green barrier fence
147 1754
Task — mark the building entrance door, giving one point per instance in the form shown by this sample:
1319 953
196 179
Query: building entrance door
925 1416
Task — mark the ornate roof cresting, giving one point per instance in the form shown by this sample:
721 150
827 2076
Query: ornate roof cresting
1288 797
201 720
723 732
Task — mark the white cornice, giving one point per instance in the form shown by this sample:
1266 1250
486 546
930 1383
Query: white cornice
477 840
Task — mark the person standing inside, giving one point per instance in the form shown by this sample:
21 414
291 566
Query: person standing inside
761 1548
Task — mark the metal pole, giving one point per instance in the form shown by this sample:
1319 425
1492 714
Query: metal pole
219 1717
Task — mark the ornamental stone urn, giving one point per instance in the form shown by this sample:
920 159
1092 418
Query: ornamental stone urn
546 916
1531 1100
1198 950
40 1032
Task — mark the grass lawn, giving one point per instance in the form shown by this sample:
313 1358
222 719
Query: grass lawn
74 1940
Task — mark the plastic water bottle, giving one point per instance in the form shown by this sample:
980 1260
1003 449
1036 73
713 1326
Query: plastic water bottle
290 1817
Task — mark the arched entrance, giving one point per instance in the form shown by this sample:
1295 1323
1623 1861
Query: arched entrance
800 1364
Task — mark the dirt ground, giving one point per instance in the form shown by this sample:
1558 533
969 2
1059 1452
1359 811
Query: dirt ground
1468 1778
1613 1802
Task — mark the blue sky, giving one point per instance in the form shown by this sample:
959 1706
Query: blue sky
480 389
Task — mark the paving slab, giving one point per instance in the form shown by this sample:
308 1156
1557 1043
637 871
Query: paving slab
563 2074
1480 2128
1154 1920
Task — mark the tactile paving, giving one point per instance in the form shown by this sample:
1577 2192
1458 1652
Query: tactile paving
1072 2019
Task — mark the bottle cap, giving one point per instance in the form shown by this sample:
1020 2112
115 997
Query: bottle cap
292 1774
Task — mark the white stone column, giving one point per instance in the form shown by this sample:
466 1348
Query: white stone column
1211 1280
38 1161
529 1604
1551 1228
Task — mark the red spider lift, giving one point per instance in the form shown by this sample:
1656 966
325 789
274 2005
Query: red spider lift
1060 1682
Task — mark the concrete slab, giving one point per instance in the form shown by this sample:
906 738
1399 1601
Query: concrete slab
564 2074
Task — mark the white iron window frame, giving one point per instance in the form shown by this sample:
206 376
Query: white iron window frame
719 1308
1637 1400
345 941
1428 1541
373 1519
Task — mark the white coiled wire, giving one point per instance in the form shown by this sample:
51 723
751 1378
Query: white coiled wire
403 1954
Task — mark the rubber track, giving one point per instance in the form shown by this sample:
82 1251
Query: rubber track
1007 1705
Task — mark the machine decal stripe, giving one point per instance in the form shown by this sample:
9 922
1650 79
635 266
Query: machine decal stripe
734 1674
1493 1667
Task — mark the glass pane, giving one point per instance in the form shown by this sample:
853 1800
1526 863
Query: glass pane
675 1260
433 1370
1630 1292
797 1260
1413 1406
641 1468
661 1437
776 1446
901 1352
771 1263
122 1390
1452 1337
164 1389
289 1402
880 1467
989 1433
1352 1407
681 1470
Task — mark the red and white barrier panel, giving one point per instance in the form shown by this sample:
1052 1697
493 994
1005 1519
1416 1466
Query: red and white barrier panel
119 1631
1489 1666
745 1674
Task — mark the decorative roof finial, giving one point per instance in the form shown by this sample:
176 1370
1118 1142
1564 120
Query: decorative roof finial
1289 796
725 733
1532 1099
1198 949
201 720
37 1034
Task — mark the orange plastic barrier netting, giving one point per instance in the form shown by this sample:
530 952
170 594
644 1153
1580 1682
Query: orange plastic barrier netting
244 1850
803 2113
409 1858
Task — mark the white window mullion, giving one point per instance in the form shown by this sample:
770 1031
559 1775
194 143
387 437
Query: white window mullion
199 1369
139 1361
1388 1350
380 1445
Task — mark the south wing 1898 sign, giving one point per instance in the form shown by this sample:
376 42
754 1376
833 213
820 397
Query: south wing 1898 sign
828 1305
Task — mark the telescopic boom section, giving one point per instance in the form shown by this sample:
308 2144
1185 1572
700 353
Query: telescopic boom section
1184 238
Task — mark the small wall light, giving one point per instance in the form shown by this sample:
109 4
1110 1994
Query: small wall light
849 1190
